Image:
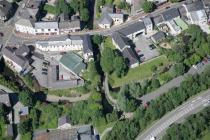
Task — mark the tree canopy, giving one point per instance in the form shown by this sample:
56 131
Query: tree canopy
148 6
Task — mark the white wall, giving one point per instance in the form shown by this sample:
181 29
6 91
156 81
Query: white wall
12 65
24 29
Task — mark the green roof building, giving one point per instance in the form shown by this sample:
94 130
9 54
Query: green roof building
73 63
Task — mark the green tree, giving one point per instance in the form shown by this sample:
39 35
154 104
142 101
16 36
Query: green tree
120 66
25 126
148 6
177 69
26 98
97 39
155 83
84 14
107 58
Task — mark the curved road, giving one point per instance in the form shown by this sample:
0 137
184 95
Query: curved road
184 110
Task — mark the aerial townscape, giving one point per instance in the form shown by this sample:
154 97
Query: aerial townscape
104 69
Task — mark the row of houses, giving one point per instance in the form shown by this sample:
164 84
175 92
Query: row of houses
171 21
28 26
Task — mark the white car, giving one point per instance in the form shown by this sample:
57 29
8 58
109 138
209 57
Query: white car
152 138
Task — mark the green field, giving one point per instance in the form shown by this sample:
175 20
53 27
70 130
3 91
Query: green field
139 73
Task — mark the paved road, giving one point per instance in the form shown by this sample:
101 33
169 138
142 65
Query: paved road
14 38
171 84
180 112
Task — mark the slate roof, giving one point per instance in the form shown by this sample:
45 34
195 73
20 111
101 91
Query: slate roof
132 28
63 120
46 25
158 19
87 44
158 36
115 15
130 55
76 133
105 19
170 14
24 111
147 21
195 6
73 62
4 98
25 22
5 7
120 40
10 53
69 24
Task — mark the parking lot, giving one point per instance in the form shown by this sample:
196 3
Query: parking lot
145 48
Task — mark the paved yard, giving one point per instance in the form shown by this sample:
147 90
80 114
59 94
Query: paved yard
143 50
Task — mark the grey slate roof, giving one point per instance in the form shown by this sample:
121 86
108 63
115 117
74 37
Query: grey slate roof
46 25
63 120
87 45
147 21
69 24
75 133
170 14
4 98
120 40
130 55
5 7
158 36
10 53
195 6
105 19
132 28
25 22
158 19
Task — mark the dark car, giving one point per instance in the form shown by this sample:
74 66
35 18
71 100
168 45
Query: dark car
1 34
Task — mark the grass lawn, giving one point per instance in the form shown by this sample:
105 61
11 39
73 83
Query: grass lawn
206 136
141 72
108 43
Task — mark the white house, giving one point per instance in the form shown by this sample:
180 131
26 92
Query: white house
25 26
148 24
68 43
196 13
16 59
46 28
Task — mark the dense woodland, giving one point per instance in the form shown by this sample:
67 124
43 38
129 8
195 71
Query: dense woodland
159 107
192 129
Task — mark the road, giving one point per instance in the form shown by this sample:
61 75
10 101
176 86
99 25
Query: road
15 38
183 111
171 84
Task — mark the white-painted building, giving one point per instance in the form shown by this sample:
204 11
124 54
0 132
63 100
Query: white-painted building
46 28
148 24
25 26
68 43
15 59
196 13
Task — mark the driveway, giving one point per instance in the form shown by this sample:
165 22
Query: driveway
143 50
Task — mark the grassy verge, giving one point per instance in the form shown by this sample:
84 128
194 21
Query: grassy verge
139 73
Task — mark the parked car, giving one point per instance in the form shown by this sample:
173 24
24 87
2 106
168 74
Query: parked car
1 34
